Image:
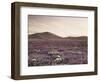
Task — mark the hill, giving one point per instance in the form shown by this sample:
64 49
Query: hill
48 35
44 35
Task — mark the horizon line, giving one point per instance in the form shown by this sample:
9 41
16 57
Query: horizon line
58 35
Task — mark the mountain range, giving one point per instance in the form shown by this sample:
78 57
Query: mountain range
48 35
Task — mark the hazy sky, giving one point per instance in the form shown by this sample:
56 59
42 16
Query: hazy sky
59 25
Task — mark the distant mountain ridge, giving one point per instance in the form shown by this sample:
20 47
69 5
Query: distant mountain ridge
48 35
44 35
78 38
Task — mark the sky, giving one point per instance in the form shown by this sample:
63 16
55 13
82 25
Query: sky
63 26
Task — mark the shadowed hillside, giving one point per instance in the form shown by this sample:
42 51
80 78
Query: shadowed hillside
44 35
